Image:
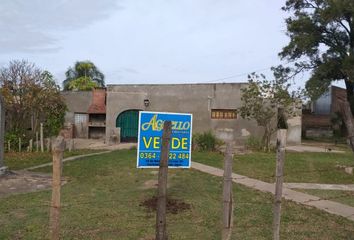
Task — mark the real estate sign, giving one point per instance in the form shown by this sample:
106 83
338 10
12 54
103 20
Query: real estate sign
150 139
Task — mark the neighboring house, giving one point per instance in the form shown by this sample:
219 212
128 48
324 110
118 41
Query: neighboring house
316 117
86 115
112 113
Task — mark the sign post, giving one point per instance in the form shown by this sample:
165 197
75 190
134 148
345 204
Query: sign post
161 233
150 139
164 141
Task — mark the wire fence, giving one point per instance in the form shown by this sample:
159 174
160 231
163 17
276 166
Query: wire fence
115 206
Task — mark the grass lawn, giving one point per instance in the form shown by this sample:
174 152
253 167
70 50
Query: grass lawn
345 197
299 167
16 160
102 200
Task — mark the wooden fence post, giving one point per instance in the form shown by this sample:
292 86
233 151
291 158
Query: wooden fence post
47 145
31 145
71 144
58 149
37 142
161 233
227 192
41 137
281 143
19 145
2 132
9 146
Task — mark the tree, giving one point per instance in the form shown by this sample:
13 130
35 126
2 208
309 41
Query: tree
82 84
261 101
55 107
83 76
321 36
31 96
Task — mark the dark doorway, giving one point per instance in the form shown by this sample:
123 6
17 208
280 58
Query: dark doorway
128 122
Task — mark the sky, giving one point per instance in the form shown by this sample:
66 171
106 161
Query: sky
139 41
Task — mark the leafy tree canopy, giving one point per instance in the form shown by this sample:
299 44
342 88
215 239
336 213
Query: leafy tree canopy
321 36
262 99
83 76
31 96
82 84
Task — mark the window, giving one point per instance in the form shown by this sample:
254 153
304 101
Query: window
223 114
80 118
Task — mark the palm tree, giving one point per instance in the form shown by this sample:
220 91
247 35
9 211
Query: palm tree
83 69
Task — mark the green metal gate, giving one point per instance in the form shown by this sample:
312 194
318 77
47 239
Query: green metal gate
128 122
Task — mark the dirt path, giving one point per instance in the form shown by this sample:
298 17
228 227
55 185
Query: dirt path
16 182
24 181
67 160
342 187
305 148
80 143
288 194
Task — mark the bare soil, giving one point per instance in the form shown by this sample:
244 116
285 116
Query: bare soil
174 206
15 182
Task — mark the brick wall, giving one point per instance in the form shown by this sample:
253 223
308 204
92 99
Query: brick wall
316 121
98 104
337 94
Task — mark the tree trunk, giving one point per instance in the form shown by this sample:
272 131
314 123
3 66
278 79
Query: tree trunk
348 119
347 109
350 93
266 138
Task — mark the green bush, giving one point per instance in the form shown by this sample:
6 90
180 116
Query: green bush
205 141
254 143
12 137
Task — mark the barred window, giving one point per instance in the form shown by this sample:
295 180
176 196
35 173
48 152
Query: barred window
223 114
80 118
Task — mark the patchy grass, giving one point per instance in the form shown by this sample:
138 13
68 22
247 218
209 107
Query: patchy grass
299 167
103 197
21 160
340 142
345 197
323 143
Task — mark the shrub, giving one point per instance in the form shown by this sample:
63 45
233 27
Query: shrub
205 141
254 143
12 137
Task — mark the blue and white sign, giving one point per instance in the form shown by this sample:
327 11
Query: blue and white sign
150 139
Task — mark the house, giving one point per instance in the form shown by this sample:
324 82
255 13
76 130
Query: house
317 116
112 113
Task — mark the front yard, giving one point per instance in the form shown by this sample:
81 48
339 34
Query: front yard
104 195
17 161
298 167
